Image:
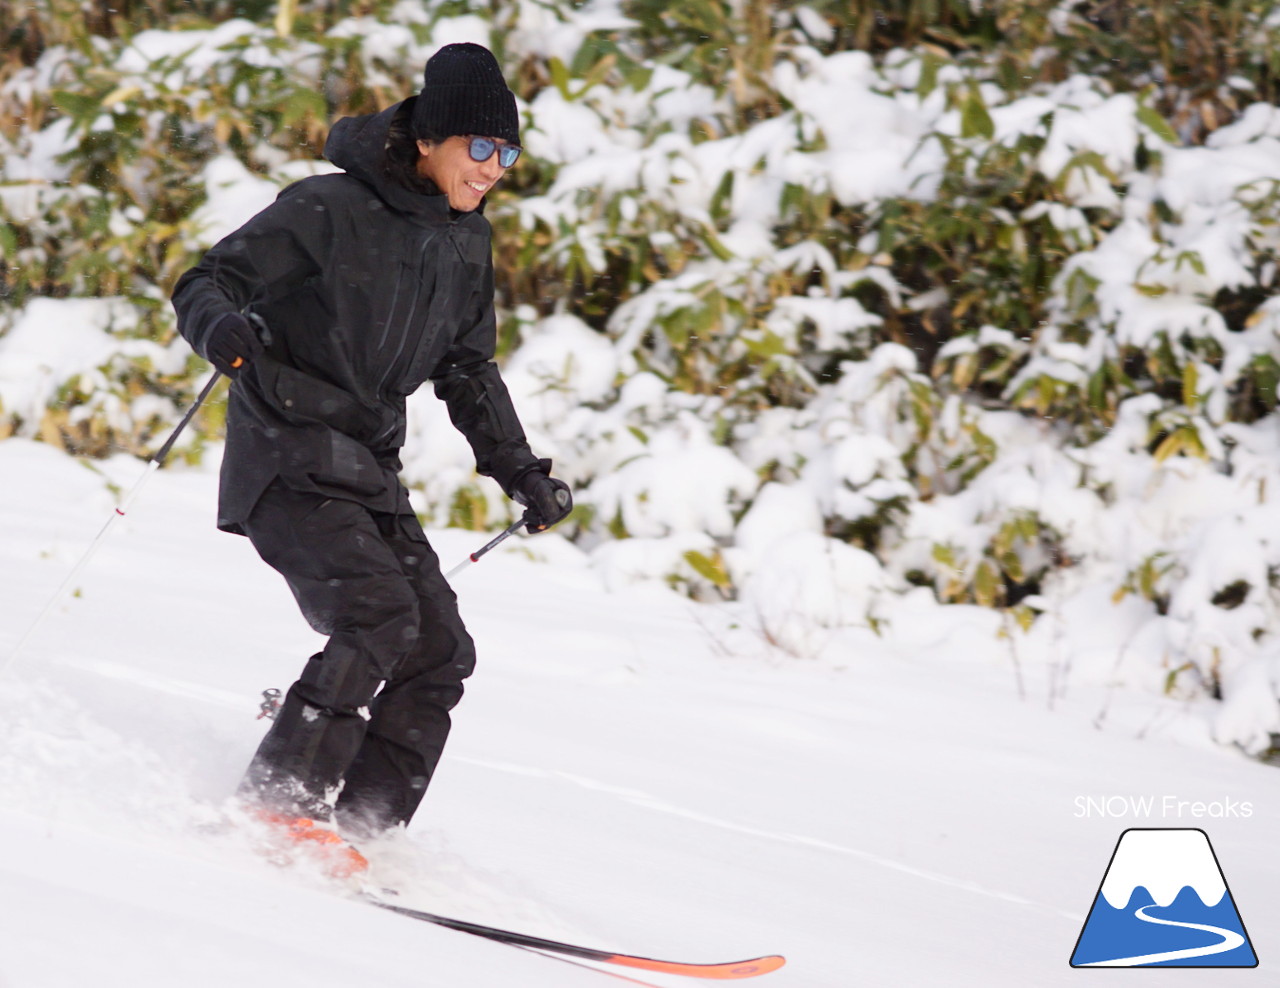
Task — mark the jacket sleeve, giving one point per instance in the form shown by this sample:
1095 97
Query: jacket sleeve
469 383
266 258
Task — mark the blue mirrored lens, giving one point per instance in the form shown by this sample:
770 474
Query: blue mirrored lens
482 149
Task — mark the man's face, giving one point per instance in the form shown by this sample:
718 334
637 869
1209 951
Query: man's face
465 181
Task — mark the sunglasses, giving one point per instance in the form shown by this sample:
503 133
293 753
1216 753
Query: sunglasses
481 149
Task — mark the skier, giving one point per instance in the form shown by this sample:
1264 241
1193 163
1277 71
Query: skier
326 309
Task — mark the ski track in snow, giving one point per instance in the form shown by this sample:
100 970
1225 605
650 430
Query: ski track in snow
162 684
1230 941
643 799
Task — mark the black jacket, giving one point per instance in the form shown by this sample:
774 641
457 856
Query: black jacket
368 290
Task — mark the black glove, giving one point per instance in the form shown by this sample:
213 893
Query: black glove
546 499
232 343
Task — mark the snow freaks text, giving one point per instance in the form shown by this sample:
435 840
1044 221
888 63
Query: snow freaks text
1162 807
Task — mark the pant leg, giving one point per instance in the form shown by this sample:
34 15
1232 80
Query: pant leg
349 585
410 720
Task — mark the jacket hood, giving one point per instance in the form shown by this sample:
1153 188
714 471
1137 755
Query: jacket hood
357 145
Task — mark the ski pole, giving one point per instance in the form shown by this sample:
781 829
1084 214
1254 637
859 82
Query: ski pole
475 556
154 464
561 498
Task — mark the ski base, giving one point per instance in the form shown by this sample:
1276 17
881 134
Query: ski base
727 971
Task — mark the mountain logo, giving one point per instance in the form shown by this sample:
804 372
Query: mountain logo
1163 902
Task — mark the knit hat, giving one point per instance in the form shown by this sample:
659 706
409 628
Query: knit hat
463 92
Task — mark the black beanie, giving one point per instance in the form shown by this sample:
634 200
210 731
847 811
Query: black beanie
463 92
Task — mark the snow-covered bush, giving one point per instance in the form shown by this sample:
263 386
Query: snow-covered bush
966 302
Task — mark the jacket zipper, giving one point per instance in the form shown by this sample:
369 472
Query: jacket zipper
413 308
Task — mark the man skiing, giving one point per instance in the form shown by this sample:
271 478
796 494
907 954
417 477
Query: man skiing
326 309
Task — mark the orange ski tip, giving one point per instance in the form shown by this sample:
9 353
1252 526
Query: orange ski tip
725 972
348 863
342 860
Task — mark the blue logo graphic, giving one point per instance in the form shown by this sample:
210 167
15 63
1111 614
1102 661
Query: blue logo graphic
1164 902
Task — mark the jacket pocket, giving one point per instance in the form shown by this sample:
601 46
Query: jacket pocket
345 466
300 395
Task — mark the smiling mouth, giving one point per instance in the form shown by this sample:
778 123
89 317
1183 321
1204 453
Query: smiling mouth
478 189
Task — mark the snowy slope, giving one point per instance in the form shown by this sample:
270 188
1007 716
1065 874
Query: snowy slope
616 777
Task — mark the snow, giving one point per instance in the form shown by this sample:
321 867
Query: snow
50 341
234 195
681 482
629 769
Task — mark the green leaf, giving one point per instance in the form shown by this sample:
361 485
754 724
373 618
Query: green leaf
1080 289
1024 615
723 195
1087 160
710 568
1184 439
719 249
1011 563
560 76
1190 385
930 62
1171 680
1157 124
944 555
1097 390
1265 372
1193 258
81 107
638 77
986 584
765 346
303 103
1149 574
975 121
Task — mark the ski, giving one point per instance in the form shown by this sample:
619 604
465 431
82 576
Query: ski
726 971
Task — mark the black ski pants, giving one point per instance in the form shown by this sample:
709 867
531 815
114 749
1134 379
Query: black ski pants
370 713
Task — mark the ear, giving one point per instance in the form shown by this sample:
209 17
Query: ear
424 148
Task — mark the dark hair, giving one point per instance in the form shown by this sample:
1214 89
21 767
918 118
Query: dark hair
401 152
